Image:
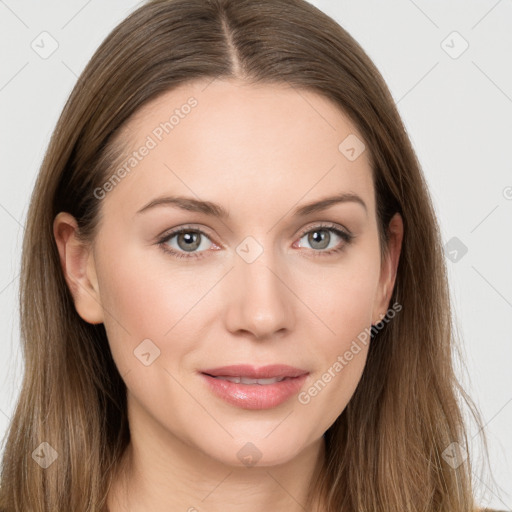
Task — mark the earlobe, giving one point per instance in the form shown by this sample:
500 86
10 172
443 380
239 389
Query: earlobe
78 267
389 267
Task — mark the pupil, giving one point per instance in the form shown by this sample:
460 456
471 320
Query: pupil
320 237
191 240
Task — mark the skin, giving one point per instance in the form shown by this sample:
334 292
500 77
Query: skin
260 151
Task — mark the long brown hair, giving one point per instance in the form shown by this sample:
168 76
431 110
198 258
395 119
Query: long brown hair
384 452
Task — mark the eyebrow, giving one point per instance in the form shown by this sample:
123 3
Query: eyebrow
327 202
216 210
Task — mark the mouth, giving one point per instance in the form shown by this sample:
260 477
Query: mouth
247 380
249 387
247 372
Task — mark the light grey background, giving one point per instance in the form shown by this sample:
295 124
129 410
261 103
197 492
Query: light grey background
457 108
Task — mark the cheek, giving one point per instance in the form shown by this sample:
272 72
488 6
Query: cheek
341 298
146 296
142 299
340 295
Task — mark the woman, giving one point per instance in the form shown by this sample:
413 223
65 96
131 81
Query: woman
233 290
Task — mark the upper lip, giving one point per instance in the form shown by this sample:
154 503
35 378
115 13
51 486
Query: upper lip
253 372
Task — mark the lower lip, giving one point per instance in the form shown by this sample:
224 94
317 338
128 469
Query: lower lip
255 396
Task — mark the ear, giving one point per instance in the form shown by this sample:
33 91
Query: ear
78 265
388 268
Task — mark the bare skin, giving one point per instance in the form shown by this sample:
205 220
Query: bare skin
260 152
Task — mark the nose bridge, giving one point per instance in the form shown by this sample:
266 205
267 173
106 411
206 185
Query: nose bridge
260 301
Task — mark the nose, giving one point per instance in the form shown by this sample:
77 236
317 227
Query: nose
260 302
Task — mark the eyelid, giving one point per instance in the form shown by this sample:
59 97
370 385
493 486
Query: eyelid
328 225
187 228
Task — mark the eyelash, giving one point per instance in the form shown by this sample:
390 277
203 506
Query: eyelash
347 237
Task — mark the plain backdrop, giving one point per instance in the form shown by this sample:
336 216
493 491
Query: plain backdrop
448 66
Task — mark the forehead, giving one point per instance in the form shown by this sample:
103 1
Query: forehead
232 141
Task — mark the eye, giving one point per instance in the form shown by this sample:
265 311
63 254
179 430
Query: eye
325 239
185 242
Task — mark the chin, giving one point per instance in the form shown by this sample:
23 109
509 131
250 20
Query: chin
258 450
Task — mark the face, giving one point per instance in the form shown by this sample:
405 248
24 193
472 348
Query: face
217 248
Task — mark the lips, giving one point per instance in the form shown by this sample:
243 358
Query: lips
249 387
251 372
247 380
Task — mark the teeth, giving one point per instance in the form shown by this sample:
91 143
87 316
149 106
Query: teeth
246 380
236 380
